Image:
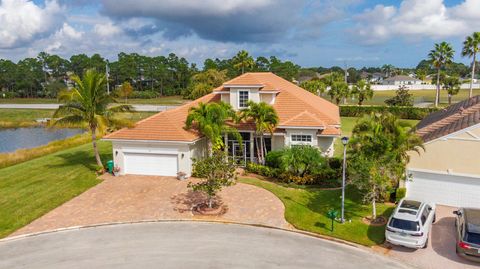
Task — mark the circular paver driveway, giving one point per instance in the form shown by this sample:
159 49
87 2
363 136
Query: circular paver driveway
183 245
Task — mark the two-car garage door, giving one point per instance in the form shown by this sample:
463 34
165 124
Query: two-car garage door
151 164
452 190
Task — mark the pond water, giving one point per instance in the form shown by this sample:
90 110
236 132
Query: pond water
24 138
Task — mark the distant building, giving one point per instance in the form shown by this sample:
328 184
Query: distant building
401 80
372 77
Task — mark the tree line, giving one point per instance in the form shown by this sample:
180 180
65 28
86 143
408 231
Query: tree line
47 74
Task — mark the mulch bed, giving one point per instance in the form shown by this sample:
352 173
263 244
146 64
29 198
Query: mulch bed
379 221
203 210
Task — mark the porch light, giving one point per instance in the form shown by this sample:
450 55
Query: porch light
344 140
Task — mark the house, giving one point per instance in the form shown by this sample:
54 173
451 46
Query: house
372 77
160 145
401 80
448 172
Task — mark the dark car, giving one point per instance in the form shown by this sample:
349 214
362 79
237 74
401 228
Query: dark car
468 233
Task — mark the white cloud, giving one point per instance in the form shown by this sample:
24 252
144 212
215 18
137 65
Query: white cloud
415 19
107 30
22 21
69 32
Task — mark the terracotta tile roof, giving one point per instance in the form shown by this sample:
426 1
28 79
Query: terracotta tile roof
305 119
295 107
164 126
449 120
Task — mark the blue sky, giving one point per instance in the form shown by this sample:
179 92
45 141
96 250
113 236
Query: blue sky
309 32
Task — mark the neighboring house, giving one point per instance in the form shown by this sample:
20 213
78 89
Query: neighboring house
401 80
372 77
159 145
448 172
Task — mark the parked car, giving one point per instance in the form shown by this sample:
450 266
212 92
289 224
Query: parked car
410 224
468 233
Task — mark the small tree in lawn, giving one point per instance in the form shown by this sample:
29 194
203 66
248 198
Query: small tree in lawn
363 91
379 154
452 86
125 91
216 171
402 98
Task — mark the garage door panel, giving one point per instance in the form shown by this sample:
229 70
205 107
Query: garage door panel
449 190
151 164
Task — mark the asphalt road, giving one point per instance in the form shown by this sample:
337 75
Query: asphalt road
144 108
183 245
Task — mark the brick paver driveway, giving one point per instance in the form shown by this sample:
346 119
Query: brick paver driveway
136 198
440 252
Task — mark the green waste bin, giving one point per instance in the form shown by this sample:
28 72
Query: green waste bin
110 166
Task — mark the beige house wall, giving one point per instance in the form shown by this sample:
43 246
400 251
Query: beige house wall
459 154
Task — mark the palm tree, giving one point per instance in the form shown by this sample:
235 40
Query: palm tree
471 46
317 87
211 120
339 91
452 86
363 90
440 57
266 119
88 103
380 147
243 60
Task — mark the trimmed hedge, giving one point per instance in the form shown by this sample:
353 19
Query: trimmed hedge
403 112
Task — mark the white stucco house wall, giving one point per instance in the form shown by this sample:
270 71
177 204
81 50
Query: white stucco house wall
401 80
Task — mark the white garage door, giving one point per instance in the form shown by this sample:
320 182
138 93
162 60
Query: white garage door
459 191
151 164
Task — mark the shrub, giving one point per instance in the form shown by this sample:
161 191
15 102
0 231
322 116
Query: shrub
8 94
302 160
403 112
273 158
263 170
400 194
144 95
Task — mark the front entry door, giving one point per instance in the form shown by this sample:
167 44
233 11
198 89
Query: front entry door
239 152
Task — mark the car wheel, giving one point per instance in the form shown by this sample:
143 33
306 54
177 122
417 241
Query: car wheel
426 244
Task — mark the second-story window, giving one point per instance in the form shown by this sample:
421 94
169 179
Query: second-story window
243 99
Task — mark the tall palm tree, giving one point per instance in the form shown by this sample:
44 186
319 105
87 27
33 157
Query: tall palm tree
363 90
266 119
471 46
440 56
211 120
88 103
243 60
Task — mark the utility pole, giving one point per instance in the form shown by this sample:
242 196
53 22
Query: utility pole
107 71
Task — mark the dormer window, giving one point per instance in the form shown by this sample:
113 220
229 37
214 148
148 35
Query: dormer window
243 97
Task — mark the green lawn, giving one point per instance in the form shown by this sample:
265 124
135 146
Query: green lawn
168 100
33 188
419 95
306 209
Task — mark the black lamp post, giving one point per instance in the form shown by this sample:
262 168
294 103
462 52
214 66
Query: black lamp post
344 142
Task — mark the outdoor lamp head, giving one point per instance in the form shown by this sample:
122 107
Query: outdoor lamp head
344 140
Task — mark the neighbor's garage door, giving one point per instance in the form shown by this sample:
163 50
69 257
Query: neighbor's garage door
459 191
151 164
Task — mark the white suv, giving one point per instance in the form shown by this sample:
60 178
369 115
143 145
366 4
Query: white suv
410 224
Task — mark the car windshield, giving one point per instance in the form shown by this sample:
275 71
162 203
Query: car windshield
406 225
473 238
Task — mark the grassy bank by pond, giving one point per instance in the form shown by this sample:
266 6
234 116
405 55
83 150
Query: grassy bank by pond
306 209
30 189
